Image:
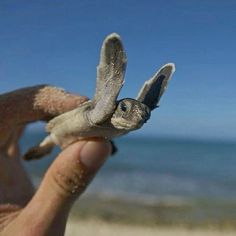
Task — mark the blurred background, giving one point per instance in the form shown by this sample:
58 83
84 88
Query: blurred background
179 169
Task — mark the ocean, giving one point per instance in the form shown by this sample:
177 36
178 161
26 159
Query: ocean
170 172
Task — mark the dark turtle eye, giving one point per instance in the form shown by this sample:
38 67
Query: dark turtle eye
123 107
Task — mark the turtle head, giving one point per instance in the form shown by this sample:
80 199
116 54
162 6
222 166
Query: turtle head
130 114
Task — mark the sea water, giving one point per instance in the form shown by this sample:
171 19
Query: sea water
151 170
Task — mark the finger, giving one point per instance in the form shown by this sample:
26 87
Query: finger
15 185
65 181
13 149
35 103
74 168
52 101
9 140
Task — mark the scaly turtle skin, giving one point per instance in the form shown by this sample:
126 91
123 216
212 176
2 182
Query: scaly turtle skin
104 116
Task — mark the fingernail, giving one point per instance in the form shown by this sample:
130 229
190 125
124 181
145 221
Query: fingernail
94 153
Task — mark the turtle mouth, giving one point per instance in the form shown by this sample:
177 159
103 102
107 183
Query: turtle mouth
126 126
120 123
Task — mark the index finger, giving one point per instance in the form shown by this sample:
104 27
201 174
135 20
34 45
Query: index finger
40 102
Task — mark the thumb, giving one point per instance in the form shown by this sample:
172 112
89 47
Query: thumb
65 181
73 170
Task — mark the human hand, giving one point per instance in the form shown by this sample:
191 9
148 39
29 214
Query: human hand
44 212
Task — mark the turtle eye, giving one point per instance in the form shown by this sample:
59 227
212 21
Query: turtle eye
123 107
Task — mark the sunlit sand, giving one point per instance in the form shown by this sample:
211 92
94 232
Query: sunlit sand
100 228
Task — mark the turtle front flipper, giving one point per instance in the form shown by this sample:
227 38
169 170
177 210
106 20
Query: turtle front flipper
110 78
41 150
152 90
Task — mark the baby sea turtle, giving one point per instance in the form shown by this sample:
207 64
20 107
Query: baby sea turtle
104 116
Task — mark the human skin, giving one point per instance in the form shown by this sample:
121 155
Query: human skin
44 212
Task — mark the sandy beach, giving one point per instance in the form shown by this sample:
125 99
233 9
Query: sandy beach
100 228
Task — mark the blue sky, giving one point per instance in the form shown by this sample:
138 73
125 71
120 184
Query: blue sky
58 42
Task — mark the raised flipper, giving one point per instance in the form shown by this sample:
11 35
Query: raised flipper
153 89
110 78
37 152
